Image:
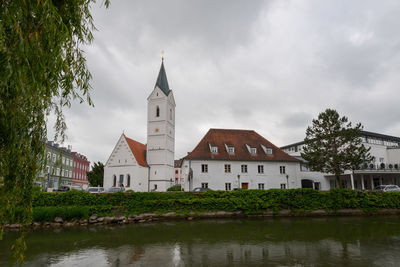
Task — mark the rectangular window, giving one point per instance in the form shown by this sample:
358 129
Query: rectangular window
268 151
48 156
231 150
204 185
54 158
204 168
58 171
260 186
244 168
214 149
282 169
228 186
260 168
227 168
253 150
283 186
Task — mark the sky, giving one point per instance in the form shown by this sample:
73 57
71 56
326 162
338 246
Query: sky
269 66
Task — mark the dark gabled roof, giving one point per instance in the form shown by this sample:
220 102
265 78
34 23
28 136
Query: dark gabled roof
162 81
178 163
363 133
239 139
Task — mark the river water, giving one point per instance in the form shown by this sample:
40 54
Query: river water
327 241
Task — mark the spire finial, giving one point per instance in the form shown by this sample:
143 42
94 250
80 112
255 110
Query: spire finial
162 55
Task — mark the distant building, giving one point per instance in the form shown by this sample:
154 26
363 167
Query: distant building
150 167
384 169
178 172
59 168
226 159
80 170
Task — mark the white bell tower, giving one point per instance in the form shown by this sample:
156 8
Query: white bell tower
161 134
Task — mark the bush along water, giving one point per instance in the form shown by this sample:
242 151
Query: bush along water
78 204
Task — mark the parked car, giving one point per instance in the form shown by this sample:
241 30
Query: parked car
63 188
388 188
95 190
200 189
115 189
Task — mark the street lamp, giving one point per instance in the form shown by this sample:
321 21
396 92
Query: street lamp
238 176
287 180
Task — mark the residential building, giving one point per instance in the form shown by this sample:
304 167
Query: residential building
148 167
227 159
383 169
81 167
179 180
58 168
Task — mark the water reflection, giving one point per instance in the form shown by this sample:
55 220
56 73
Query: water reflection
367 241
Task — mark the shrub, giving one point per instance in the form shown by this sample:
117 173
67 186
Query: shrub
175 188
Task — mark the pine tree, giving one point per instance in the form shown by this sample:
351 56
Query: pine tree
333 146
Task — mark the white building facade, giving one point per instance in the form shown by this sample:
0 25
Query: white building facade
228 159
383 170
150 167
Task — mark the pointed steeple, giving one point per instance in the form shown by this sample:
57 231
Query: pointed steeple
162 81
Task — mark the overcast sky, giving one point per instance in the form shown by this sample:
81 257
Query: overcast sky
269 66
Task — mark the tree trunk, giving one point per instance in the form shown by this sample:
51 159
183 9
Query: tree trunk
338 180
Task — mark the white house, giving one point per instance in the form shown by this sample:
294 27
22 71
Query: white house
226 159
384 169
148 167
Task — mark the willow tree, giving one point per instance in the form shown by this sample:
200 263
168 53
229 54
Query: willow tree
42 69
333 146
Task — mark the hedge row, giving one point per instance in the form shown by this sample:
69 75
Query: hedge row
247 201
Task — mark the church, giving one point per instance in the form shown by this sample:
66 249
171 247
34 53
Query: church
147 167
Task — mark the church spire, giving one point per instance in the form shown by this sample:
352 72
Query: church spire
162 81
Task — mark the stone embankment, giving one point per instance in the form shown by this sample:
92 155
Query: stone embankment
153 217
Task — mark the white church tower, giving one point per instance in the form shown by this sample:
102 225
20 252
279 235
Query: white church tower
161 134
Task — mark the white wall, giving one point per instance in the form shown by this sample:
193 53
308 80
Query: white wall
123 162
216 176
139 174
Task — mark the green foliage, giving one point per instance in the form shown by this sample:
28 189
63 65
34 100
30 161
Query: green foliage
96 175
42 69
175 188
333 145
80 204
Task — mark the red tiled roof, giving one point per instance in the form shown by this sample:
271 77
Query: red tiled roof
138 150
238 139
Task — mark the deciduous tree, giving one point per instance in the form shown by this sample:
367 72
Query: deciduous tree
333 146
96 175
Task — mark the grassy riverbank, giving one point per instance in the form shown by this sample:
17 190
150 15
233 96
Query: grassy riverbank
77 204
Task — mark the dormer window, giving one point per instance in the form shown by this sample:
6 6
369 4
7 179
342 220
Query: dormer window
267 150
253 151
214 149
230 149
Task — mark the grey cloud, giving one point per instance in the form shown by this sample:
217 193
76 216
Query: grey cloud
270 66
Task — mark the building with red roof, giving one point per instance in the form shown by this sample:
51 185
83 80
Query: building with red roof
226 159
139 167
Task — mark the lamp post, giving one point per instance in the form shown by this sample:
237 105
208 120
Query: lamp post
287 181
238 176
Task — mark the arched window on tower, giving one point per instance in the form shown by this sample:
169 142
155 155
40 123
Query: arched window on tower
158 111
114 180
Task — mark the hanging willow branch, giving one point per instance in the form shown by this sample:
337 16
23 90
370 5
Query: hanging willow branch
42 69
